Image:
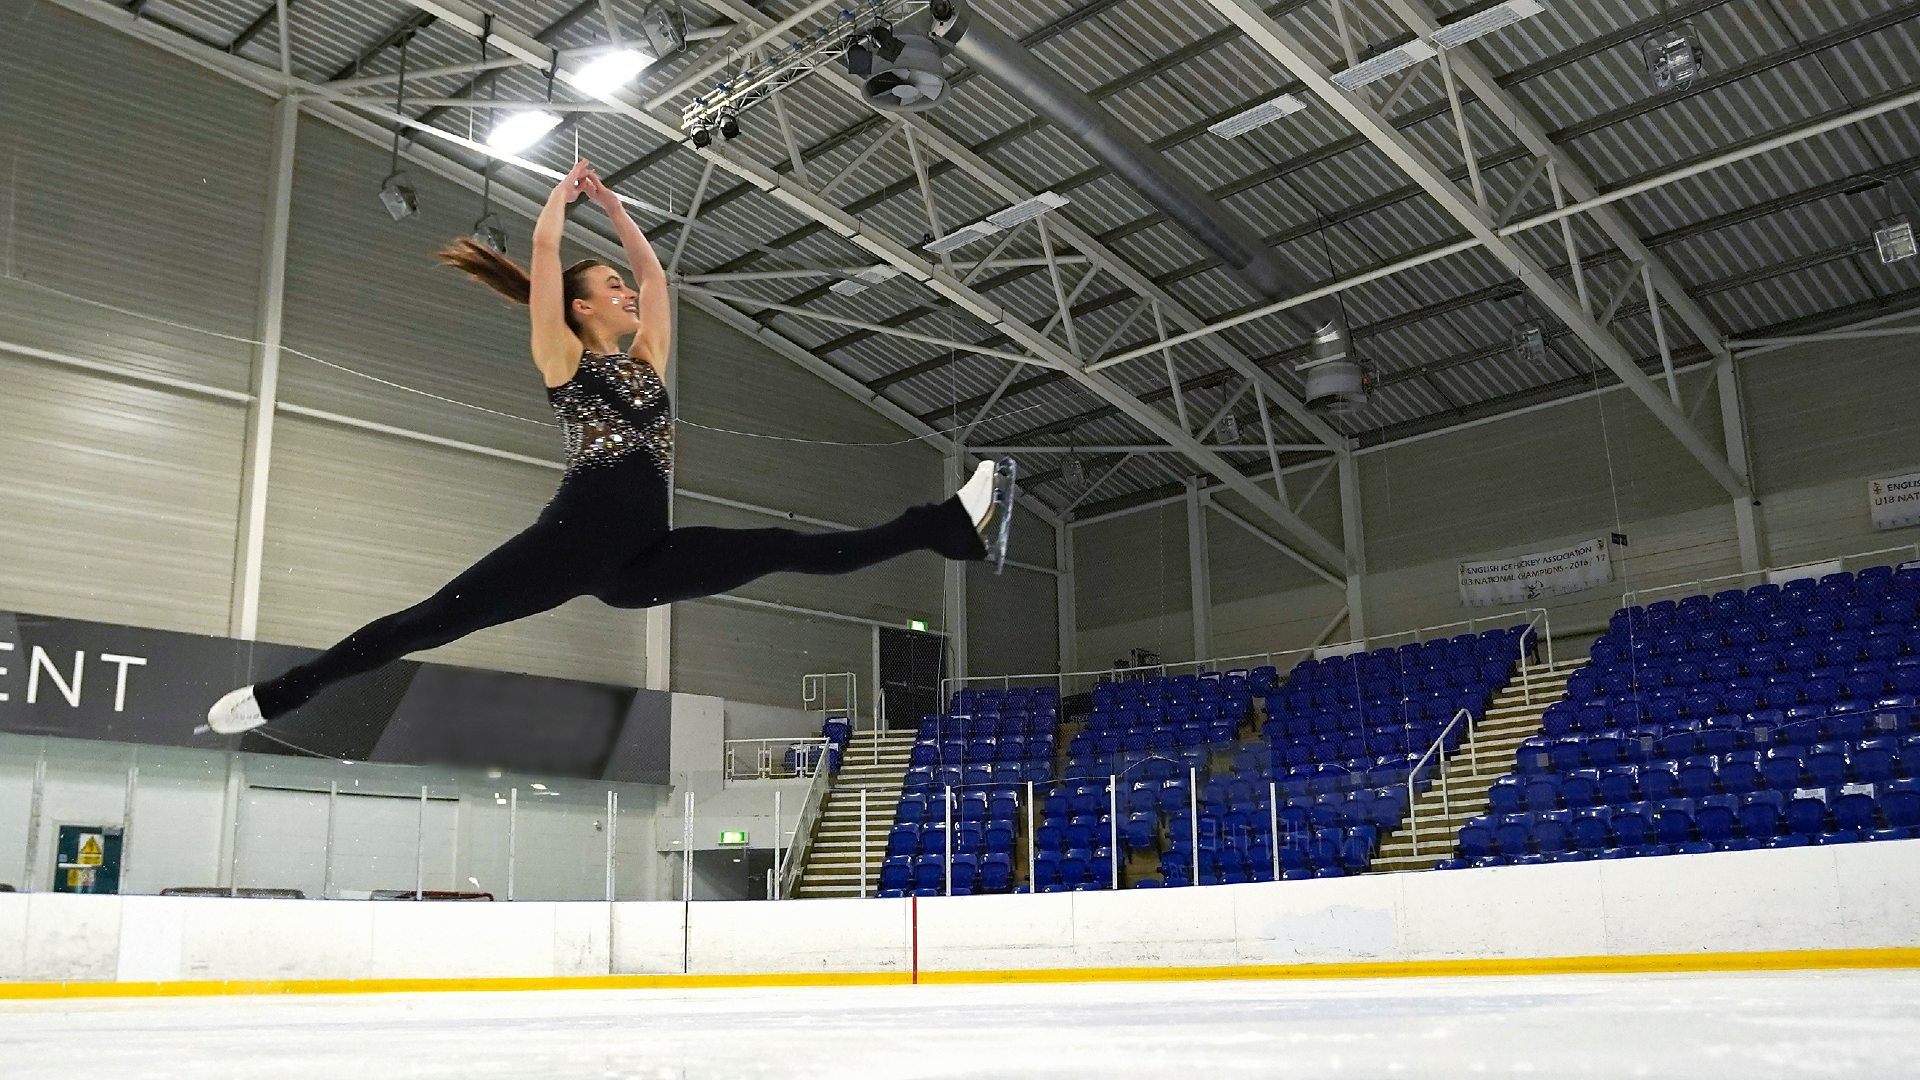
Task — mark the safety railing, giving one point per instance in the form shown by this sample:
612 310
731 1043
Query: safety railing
835 693
793 855
767 759
1775 574
1070 682
1437 753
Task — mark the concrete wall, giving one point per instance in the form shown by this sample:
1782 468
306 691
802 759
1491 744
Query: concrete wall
1859 896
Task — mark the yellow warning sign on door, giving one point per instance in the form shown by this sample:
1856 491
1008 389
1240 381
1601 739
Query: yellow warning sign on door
90 850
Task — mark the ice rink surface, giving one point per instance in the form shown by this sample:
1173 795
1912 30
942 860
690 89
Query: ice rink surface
1852 1023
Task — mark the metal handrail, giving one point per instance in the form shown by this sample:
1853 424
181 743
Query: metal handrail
769 758
796 852
1446 801
1631 597
816 696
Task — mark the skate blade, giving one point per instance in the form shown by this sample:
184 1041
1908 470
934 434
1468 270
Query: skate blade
1005 472
202 729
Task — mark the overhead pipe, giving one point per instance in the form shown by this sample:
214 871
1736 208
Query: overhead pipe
1015 69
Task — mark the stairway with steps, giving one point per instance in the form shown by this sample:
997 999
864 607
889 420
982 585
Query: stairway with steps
1470 772
876 765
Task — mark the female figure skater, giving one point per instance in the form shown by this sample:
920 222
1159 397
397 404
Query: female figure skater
604 533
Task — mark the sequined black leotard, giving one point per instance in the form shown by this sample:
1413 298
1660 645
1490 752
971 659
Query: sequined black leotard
613 408
605 534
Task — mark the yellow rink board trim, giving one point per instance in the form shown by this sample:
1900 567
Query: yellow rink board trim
1806 960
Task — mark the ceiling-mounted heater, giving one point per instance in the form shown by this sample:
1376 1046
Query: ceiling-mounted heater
1339 381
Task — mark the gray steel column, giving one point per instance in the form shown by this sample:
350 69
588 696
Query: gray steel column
244 616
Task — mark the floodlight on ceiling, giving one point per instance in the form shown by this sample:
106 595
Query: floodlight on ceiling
1385 64
1257 117
521 130
399 196
1481 23
610 71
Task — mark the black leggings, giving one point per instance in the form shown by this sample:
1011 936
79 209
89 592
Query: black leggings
604 535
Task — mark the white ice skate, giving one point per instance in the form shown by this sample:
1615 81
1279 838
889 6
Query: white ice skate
987 497
238 711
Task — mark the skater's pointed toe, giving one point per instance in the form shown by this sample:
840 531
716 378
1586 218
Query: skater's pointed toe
236 712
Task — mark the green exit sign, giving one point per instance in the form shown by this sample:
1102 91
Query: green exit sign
917 624
733 836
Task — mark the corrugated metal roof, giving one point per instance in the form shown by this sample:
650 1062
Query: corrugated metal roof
1440 333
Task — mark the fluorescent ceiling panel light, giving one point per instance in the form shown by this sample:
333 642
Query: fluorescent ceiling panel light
521 130
610 71
1481 23
1383 65
1259 116
1027 210
960 238
879 272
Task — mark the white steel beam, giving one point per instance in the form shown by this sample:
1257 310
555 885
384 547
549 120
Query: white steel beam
269 82
244 617
1420 17
1293 55
1065 601
1199 573
467 18
1733 423
1354 536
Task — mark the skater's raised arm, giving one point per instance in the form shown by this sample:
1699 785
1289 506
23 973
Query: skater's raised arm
548 290
653 341
556 348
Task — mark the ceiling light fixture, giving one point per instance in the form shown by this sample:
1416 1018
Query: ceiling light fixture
1257 117
1481 23
1383 65
999 221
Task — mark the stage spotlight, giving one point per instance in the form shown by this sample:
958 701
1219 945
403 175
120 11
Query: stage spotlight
397 193
730 128
488 231
1673 58
702 137
1530 344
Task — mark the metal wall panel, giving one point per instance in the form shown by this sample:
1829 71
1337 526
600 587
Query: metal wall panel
120 498
759 655
132 179
364 293
1012 622
1132 568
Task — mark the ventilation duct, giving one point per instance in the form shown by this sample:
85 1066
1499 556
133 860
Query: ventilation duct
1031 82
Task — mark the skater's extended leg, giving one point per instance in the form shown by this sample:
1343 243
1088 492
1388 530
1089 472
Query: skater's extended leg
536 570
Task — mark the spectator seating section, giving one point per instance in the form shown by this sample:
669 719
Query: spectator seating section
1776 716
1340 739
980 755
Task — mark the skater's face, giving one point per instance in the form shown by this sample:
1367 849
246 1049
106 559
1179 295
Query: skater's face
606 304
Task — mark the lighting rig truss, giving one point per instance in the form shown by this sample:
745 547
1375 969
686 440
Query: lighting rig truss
865 23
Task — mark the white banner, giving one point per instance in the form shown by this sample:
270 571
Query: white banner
1528 577
1895 501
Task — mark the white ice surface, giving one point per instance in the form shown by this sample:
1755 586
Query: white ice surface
1739 1025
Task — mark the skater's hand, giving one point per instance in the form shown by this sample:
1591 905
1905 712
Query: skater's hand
573 185
602 195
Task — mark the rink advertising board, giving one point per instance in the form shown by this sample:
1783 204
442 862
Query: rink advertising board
88 680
